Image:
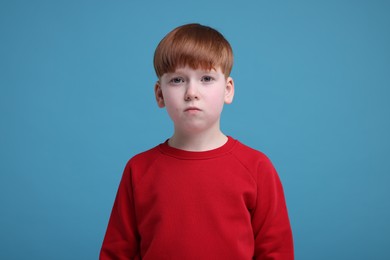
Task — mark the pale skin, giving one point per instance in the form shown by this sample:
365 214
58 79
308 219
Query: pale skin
194 99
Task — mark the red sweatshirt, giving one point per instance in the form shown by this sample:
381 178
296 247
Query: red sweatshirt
226 203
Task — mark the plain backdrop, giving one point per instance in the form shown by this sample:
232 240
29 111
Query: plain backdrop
76 102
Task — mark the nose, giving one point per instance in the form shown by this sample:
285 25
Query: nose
191 92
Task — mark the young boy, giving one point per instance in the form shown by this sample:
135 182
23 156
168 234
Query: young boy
201 194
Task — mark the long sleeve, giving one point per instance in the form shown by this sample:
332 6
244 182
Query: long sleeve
271 226
122 240
226 203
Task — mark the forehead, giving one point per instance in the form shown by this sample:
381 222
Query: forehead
195 71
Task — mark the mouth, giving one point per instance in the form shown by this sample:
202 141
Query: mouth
189 109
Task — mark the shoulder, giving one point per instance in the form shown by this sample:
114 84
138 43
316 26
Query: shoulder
248 154
253 160
144 159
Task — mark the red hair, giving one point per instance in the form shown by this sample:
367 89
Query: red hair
196 46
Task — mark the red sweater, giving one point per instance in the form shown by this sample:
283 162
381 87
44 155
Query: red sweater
226 203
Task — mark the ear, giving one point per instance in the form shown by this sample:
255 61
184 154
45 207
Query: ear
229 91
159 95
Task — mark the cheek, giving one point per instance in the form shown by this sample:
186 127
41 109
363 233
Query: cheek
217 100
169 97
171 105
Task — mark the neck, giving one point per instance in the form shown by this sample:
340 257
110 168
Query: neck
197 142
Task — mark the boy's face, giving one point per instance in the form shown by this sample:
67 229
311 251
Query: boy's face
194 98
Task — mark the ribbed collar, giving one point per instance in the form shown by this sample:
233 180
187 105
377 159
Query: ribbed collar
190 155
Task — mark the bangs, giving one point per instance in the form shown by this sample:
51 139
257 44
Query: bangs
196 46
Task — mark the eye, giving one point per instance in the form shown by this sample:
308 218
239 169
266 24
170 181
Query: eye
176 80
207 78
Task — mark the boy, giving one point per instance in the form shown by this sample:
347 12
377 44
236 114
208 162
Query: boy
201 194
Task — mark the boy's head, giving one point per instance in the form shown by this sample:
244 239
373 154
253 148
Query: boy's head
196 46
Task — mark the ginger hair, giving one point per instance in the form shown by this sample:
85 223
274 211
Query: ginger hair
196 46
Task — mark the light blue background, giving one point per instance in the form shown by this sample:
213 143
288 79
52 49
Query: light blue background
76 102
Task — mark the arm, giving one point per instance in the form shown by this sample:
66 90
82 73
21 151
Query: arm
121 240
270 222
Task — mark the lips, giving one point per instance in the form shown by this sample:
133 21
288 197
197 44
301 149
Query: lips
192 109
